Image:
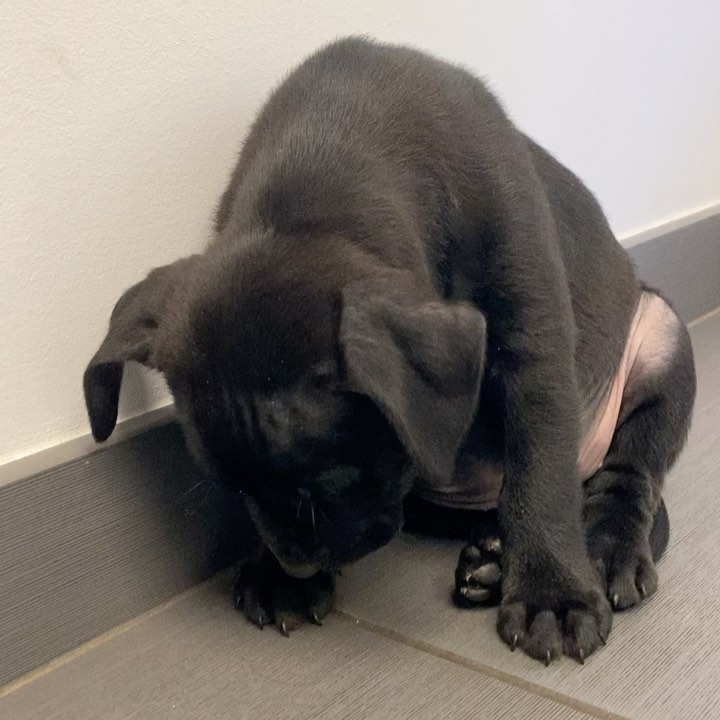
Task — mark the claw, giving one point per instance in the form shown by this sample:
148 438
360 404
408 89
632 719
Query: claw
316 619
513 644
548 658
284 630
643 591
238 602
616 600
581 656
603 639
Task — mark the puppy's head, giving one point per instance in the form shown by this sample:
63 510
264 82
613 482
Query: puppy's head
306 380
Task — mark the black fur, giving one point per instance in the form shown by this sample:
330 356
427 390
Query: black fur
397 273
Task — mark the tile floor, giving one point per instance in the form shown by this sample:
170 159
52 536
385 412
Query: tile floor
397 648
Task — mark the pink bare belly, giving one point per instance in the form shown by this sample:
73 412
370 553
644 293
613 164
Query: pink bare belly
649 348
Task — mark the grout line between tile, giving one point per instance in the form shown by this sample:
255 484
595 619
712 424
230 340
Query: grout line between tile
96 642
375 628
481 668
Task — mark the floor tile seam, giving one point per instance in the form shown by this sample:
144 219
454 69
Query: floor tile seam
99 640
480 668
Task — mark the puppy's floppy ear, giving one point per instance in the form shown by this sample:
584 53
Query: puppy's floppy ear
132 335
421 362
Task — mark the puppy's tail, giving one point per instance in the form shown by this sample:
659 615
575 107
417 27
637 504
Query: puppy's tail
660 533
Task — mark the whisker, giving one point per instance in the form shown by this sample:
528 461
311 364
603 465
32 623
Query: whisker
190 489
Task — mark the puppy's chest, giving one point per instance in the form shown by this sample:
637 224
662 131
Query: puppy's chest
479 473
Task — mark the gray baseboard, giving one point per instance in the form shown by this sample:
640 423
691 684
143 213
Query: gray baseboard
683 261
102 538
109 533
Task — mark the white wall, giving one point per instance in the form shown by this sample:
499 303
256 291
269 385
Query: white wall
119 123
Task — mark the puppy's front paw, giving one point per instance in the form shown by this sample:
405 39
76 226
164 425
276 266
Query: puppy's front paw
547 625
266 595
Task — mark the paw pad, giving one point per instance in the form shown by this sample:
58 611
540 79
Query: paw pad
478 576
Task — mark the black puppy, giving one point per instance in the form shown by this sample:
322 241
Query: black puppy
405 292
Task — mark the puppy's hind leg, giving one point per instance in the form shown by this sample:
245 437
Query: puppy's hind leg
625 518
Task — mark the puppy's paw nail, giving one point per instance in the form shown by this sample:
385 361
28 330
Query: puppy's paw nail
548 658
284 630
616 601
514 643
316 619
581 656
259 622
603 639
643 591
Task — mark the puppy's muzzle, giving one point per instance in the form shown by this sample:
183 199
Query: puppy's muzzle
302 572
